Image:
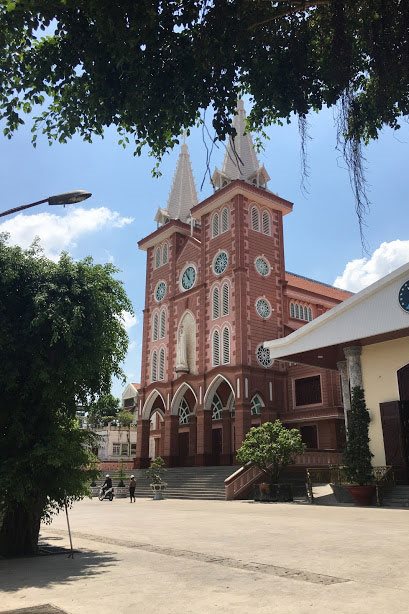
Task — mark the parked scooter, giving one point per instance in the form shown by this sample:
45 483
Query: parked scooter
107 494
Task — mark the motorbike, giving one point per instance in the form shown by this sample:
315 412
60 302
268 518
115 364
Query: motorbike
108 494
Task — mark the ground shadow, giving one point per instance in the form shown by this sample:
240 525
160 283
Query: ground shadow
46 571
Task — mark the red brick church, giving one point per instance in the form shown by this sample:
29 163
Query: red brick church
216 289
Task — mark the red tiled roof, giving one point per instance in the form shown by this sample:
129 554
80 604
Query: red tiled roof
318 287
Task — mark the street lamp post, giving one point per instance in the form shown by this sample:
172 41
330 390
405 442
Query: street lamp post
67 198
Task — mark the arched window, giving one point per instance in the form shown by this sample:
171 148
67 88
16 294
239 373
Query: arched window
155 326
154 366
162 330
292 310
309 314
305 313
157 257
215 225
225 219
297 311
255 219
256 405
162 364
216 303
266 223
216 348
164 253
216 408
225 299
226 345
184 411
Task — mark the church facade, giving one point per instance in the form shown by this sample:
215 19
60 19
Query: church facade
216 289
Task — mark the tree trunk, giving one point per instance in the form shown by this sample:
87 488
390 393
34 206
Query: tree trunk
20 529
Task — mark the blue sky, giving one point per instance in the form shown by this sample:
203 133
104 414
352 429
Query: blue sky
321 235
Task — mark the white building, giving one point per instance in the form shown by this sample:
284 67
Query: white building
367 338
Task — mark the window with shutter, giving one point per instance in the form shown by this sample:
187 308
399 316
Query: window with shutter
297 311
255 219
216 348
292 310
266 223
165 253
215 225
225 299
162 364
154 366
216 303
155 327
225 219
162 324
226 345
309 314
157 257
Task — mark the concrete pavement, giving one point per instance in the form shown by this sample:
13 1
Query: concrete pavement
214 556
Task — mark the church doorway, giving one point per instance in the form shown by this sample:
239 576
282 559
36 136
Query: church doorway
395 427
183 439
217 445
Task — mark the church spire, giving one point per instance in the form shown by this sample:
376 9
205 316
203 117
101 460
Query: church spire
183 194
240 160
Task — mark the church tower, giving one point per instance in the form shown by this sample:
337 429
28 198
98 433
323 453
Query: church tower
216 289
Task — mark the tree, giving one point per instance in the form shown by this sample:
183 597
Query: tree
61 341
270 447
103 410
156 470
125 418
357 456
152 68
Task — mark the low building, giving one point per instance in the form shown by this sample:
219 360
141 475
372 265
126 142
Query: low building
367 338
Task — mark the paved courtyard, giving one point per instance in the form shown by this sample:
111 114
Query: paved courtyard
203 557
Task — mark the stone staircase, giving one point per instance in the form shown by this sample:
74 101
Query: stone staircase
396 496
182 483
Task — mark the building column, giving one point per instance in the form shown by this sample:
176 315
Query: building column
142 460
171 443
353 356
242 421
204 437
346 395
192 437
225 458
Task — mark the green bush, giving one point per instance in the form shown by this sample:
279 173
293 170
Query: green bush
357 456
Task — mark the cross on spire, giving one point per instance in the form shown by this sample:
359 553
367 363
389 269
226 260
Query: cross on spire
240 160
183 195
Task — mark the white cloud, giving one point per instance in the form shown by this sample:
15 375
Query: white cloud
362 272
60 232
129 320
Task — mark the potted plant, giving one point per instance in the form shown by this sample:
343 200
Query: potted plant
357 455
271 447
155 474
121 475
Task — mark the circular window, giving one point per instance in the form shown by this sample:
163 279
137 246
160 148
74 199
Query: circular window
188 278
263 308
160 291
262 266
220 263
263 356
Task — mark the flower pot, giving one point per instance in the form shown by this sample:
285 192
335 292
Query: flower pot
362 495
158 491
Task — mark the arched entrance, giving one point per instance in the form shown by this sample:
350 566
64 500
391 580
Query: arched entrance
220 401
150 433
184 407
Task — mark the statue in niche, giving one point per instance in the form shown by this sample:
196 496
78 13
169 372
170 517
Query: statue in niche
181 353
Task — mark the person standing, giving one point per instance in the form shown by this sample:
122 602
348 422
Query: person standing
132 486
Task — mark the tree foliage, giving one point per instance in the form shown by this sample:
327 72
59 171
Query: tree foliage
102 410
357 456
150 67
125 418
61 341
156 470
271 447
